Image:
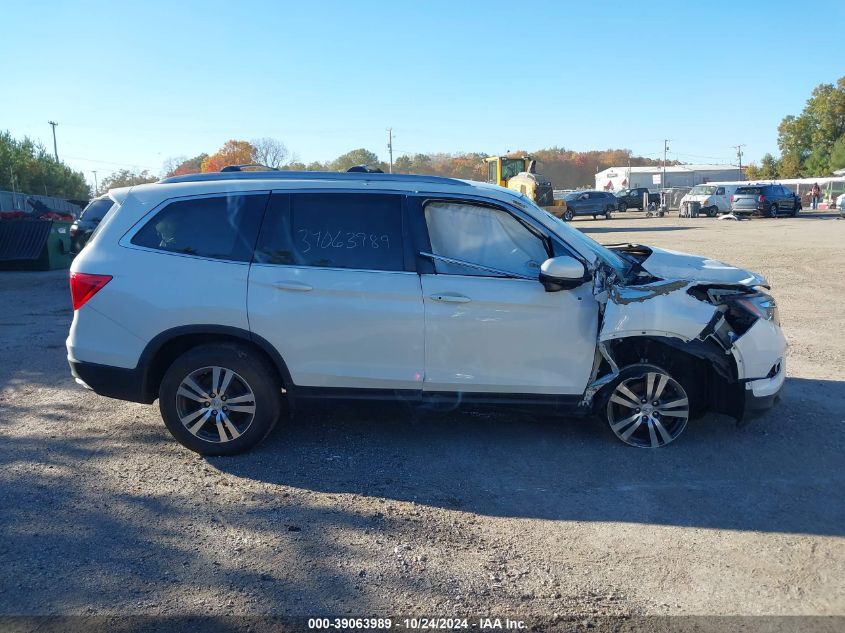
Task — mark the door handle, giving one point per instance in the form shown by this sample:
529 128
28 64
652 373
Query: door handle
449 298
296 286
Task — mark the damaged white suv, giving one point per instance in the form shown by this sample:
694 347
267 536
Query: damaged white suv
230 296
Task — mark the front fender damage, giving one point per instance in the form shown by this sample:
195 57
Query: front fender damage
671 313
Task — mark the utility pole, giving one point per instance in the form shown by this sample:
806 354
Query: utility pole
55 150
665 150
96 186
738 149
390 146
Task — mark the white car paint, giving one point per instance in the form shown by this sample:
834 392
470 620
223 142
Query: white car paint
489 334
669 264
341 327
720 198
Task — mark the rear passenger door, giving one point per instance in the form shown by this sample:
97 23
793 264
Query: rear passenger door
333 289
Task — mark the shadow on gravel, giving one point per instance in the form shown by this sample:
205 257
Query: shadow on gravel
782 473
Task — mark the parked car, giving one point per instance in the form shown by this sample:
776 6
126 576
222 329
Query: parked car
769 200
91 216
714 199
228 296
633 198
840 204
592 203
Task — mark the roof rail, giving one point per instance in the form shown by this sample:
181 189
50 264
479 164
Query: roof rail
245 165
314 175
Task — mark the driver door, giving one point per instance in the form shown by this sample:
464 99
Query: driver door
490 326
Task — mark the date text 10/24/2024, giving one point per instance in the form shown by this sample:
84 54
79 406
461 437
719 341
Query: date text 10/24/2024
417 624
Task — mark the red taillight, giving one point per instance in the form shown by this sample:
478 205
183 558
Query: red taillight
732 199
84 286
761 199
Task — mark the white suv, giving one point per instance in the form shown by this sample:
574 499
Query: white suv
227 295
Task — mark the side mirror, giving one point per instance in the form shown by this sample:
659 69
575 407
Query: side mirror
562 273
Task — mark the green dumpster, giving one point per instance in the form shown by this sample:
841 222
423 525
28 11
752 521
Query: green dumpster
34 245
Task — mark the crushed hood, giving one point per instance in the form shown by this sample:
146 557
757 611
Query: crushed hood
667 264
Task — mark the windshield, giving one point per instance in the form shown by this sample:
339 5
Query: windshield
702 190
575 238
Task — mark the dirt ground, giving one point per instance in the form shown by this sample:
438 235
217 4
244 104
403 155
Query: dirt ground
376 510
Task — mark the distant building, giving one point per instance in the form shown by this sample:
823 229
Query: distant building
616 178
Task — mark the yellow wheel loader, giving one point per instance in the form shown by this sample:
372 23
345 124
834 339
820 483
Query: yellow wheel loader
520 174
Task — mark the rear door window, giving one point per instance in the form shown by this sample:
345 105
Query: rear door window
359 231
218 227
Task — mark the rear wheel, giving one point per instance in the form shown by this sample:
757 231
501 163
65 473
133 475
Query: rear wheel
646 406
608 212
773 210
568 215
220 399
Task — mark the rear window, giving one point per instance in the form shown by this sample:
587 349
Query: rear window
96 210
219 227
749 190
334 230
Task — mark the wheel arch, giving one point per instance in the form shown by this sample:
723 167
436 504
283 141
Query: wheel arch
702 365
162 350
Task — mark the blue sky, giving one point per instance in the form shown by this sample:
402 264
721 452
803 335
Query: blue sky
132 84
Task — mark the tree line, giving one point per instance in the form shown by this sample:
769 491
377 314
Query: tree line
27 167
812 143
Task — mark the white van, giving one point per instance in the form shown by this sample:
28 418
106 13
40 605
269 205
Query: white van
715 198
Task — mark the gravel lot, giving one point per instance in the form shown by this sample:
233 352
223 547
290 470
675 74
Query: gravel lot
378 510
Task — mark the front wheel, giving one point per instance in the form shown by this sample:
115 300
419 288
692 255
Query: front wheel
646 407
623 207
713 212
220 399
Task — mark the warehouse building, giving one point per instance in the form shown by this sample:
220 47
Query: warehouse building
616 178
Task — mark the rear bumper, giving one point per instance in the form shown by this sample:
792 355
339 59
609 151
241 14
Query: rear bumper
111 382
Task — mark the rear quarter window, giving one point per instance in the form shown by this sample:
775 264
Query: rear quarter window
218 227
96 210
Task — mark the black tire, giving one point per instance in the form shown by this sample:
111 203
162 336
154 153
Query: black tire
773 210
795 209
595 216
608 213
626 423
251 374
568 215
712 212
623 207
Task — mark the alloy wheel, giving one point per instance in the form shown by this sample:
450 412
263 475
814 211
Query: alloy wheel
649 410
215 404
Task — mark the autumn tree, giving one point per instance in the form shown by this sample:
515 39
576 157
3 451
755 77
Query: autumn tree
180 165
233 152
27 166
126 178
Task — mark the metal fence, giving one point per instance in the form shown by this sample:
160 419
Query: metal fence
12 201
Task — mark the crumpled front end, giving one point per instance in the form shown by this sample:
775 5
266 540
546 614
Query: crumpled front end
729 324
